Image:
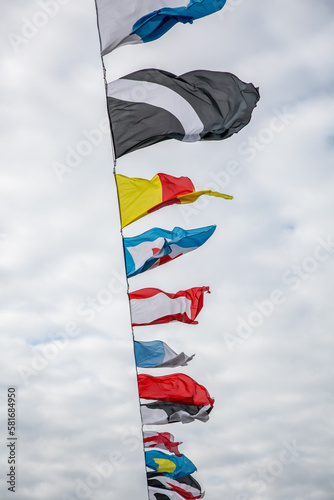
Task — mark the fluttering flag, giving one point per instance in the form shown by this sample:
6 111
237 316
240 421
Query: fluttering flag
187 487
174 388
169 465
151 105
139 197
162 440
159 494
151 306
158 246
157 354
163 412
123 22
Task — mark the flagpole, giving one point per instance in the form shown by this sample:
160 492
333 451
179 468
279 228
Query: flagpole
121 231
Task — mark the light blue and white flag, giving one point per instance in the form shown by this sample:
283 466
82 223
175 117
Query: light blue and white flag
158 246
157 354
123 22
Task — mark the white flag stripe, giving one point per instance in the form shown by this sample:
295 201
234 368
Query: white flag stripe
153 417
161 97
117 17
177 250
158 306
140 252
178 360
148 434
170 354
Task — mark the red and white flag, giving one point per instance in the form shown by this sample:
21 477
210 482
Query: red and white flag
162 440
151 306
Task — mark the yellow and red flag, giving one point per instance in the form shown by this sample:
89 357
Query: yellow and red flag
139 197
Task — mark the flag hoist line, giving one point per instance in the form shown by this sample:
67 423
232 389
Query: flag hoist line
196 115
126 278
121 231
128 287
248 94
162 491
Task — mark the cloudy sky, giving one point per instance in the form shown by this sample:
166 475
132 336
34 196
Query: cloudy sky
264 342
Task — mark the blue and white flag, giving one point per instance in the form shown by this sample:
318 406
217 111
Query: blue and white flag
123 22
158 246
157 354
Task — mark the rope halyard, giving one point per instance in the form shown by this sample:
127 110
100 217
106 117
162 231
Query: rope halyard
121 231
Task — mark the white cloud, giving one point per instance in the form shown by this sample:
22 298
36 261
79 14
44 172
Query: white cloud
61 254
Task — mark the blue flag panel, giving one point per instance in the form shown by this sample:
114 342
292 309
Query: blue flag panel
158 246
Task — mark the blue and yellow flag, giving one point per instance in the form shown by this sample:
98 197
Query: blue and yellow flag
169 465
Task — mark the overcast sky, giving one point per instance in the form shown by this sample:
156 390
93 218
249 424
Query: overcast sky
264 342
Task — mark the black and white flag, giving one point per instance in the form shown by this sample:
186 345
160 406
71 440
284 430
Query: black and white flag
151 105
158 494
186 486
164 412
